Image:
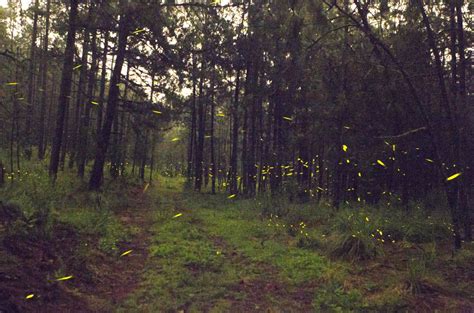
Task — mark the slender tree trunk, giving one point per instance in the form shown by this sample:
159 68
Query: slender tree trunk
213 157
116 148
192 132
466 185
245 134
31 81
2 174
235 138
152 157
44 72
65 91
112 104
103 77
85 118
201 132
81 100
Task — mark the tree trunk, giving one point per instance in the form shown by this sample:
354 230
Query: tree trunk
213 157
112 104
192 131
81 100
103 77
44 72
201 131
233 187
85 118
31 82
65 91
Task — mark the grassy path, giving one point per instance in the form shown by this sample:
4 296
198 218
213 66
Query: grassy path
191 252
217 260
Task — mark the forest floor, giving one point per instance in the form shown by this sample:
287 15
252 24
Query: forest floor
187 252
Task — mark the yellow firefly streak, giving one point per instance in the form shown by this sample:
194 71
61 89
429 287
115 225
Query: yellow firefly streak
287 118
344 147
381 163
138 31
429 160
95 102
175 139
77 67
12 84
157 112
220 114
231 196
65 278
31 295
126 252
453 176
178 215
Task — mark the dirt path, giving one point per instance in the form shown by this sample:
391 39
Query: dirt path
122 277
203 282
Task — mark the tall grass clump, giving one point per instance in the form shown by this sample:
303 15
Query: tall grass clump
357 235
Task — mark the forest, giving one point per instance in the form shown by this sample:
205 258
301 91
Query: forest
236 156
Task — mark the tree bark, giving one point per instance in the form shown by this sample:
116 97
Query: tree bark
112 104
85 118
192 131
44 72
233 187
65 91
31 81
201 132
103 77
80 99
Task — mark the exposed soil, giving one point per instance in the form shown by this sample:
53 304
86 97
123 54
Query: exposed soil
100 281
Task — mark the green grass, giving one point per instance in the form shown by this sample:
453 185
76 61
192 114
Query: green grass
67 201
198 260
263 242
357 258
185 268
